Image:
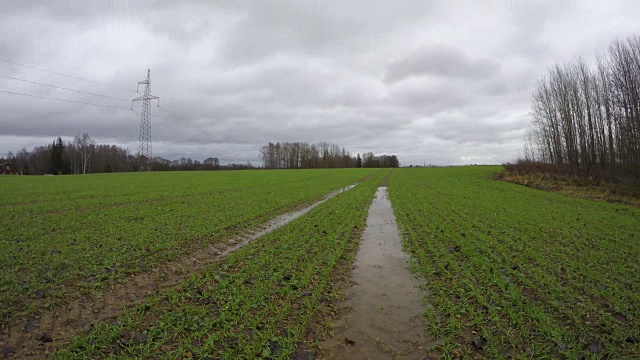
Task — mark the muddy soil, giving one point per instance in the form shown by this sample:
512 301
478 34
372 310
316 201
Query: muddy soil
383 321
37 337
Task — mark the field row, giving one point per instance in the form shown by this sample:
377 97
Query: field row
254 303
67 233
513 271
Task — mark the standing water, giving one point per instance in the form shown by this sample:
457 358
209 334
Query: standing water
384 322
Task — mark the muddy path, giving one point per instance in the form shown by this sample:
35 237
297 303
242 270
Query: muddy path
37 337
383 306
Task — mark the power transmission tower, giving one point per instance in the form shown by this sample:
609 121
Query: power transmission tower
144 147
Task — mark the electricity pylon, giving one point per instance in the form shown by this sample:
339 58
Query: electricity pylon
144 147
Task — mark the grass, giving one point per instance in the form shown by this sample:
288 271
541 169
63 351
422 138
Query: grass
518 272
510 271
625 191
66 233
254 303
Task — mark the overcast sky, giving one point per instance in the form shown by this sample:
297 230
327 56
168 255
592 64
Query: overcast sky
441 82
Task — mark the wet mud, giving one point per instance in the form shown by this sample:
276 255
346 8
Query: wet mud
383 305
38 337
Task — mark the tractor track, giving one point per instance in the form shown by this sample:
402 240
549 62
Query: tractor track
38 337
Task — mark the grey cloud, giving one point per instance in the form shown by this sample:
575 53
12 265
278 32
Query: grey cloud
441 61
440 82
431 97
315 29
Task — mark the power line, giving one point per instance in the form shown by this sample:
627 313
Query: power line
65 100
179 118
62 88
61 74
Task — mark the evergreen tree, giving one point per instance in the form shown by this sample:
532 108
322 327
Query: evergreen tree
56 159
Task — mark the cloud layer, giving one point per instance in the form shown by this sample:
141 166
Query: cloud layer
443 82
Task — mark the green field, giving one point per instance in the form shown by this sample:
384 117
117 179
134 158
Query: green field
508 270
519 271
83 231
257 302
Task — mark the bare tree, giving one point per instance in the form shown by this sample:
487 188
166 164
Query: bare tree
85 147
584 118
211 162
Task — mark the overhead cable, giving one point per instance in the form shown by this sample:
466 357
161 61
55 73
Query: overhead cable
61 74
61 88
65 100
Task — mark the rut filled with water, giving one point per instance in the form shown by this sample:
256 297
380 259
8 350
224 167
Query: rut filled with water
385 302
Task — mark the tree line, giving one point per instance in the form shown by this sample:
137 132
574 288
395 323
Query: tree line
302 155
83 155
586 120
369 160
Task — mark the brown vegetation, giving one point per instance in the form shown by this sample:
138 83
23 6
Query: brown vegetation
599 184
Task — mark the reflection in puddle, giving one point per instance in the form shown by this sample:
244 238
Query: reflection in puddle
386 304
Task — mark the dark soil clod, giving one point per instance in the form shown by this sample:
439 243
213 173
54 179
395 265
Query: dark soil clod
42 337
204 301
85 324
596 347
480 342
7 351
302 354
348 342
31 325
39 294
140 338
529 352
274 347
116 348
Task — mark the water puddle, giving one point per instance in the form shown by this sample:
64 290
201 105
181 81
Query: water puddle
385 302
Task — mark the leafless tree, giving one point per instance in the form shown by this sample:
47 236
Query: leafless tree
85 146
587 118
